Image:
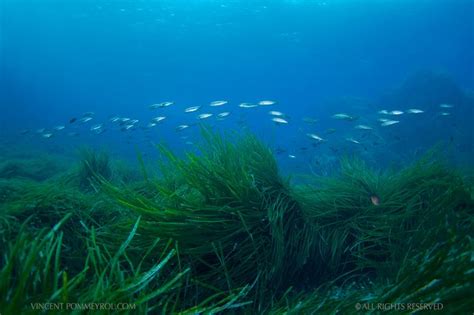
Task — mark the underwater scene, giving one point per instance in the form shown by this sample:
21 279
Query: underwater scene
236 157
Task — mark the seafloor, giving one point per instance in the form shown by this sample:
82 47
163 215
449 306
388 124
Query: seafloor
224 232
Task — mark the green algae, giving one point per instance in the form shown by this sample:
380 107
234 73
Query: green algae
222 231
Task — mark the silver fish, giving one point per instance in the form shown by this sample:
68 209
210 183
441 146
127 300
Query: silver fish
446 105
218 103
47 135
291 156
98 131
247 105
181 127
343 116
85 119
158 119
313 136
96 127
266 103
204 116
384 112
363 127
280 121
59 128
192 109
396 112
415 111
165 104
352 140
276 113
389 123
223 114
159 105
127 127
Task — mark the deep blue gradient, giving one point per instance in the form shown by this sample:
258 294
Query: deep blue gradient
62 58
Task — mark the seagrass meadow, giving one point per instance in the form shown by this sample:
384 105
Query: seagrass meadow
222 231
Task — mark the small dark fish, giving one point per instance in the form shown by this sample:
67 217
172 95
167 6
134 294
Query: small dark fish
280 151
72 120
310 120
242 123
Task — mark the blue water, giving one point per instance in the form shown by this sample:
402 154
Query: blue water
60 59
